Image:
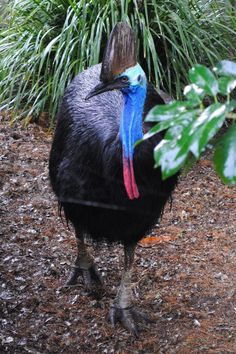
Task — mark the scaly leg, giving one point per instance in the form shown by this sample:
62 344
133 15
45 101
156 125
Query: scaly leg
122 309
84 265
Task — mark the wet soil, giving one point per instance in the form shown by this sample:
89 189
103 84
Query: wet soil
184 274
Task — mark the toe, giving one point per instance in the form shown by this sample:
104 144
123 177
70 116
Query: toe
113 315
73 277
128 321
95 275
128 317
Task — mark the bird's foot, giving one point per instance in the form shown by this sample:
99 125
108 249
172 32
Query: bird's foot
129 317
91 277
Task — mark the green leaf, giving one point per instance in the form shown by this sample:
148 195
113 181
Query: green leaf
231 105
165 112
206 126
194 94
204 78
226 67
172 154
166 155
226 85
175 125
225 156
158 128
184 120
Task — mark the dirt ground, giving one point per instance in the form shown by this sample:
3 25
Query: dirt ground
185 277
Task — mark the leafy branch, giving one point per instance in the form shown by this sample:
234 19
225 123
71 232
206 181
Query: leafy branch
189 125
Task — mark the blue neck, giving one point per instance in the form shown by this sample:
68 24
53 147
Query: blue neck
131 120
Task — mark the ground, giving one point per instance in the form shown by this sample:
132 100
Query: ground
184 273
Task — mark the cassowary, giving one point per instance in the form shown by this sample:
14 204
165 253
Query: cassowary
107 187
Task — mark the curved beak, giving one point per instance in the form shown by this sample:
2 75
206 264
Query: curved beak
105 86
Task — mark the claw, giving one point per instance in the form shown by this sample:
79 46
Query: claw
73 277
91 277
112 316
128 321
128 317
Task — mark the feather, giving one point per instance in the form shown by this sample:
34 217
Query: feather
120 53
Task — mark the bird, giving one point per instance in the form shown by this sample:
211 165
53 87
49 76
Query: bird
104 181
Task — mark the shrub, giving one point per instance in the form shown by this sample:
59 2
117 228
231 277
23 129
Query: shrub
44 44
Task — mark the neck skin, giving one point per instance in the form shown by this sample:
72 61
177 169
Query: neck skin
130 133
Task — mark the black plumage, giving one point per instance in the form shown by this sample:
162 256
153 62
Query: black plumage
86 165
86 175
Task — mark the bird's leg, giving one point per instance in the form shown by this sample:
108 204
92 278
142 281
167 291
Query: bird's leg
84 265
124 295
122 309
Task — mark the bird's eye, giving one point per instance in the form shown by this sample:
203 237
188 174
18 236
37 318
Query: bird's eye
139 78
124 79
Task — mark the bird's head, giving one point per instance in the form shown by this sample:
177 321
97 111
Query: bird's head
120 70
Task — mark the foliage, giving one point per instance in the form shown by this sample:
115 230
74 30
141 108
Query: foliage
46 43
189 126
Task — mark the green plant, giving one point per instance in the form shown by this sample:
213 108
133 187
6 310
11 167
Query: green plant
44 44
189 125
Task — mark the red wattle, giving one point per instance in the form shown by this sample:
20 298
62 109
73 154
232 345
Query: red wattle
129 178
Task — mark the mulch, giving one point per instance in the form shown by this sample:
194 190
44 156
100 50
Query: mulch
184 274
